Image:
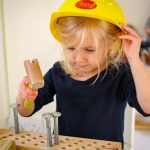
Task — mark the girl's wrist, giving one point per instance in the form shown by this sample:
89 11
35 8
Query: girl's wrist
134 60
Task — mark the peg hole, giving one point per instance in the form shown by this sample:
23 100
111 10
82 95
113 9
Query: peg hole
28 134
23 136
67 139
75 143
103 146
95 142
63 147
10 134
89 144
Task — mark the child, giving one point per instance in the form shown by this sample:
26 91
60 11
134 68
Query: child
93 84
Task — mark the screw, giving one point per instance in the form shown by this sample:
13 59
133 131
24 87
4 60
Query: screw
14 106
47 117
56 131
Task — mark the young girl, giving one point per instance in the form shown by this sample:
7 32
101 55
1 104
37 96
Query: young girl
94 82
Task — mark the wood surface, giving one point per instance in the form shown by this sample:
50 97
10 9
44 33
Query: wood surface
38 141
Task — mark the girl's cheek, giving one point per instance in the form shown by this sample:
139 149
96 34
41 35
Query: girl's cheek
72 56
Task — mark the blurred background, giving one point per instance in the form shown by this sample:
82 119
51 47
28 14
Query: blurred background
24 34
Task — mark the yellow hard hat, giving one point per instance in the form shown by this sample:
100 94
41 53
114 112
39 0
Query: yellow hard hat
108 10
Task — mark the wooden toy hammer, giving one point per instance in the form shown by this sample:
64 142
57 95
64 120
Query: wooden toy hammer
36 80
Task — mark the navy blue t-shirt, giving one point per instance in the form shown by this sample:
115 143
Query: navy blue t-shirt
90 111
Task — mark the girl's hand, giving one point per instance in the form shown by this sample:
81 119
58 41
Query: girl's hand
25 92
131 43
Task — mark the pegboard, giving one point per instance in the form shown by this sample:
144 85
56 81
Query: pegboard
38 141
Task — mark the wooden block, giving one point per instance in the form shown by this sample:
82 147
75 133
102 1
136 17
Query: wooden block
7 145
38 141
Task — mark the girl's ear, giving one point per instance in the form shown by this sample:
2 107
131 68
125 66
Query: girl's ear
121 33
109 50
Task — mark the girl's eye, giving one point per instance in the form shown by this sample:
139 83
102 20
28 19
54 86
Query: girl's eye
90 50
71 48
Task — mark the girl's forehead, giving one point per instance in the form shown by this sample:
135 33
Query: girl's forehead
87 40
79 41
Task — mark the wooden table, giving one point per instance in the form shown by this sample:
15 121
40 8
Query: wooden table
38 141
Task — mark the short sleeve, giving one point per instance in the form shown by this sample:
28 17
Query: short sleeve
130 91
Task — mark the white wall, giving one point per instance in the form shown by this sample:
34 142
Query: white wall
136 12
27 36
3 76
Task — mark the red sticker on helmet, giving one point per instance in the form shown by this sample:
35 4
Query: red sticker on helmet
86 4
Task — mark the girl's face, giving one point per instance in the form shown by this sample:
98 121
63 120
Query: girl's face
83 58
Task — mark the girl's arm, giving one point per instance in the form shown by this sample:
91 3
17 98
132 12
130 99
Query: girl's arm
131 47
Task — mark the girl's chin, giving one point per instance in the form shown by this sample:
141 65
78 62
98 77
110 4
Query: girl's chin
85 71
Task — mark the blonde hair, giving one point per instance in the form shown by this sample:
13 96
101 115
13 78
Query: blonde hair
79 27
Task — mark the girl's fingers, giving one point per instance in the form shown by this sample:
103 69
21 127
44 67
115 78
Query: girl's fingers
25 95
129 37
28 90
25 80
25 92
130 31
24 85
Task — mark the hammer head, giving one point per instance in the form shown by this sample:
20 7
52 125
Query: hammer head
34 74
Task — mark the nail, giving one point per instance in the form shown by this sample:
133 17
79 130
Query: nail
14 106
47 117
56 129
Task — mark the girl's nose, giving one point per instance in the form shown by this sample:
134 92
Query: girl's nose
80 56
